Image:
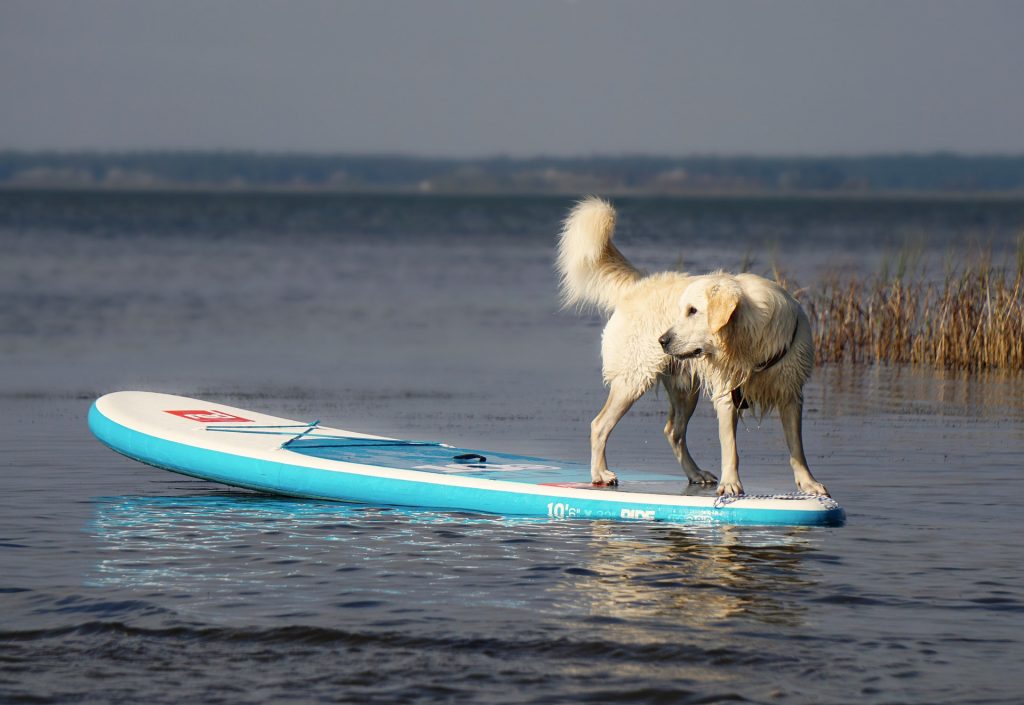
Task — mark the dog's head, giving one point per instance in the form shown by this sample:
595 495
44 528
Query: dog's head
707 308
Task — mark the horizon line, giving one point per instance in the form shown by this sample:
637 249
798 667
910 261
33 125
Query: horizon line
497 156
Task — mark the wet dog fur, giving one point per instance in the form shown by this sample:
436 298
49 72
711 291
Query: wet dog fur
741 339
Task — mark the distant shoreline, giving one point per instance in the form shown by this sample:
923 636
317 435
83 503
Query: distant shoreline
284 190
940 175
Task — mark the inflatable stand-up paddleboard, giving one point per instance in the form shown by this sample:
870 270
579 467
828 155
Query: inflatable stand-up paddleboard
248 449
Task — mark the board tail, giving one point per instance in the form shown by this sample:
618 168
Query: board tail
593 271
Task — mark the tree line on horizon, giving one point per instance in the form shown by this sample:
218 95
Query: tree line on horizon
940 172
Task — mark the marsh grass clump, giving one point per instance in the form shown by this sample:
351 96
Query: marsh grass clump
971 319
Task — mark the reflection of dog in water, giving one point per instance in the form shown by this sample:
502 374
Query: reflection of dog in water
741 337
693 577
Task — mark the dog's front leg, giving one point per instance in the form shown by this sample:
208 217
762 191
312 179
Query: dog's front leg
618 403
682 402
791 415
728 415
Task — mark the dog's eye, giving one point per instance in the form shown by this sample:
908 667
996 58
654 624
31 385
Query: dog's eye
690 311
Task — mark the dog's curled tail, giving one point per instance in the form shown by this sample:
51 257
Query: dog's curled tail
592 268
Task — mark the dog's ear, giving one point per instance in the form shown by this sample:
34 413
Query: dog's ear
722 303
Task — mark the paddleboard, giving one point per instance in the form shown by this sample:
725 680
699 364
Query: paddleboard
256 451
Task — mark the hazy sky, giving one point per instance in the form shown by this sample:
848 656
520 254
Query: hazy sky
518 77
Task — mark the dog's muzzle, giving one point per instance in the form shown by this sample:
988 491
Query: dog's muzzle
667 343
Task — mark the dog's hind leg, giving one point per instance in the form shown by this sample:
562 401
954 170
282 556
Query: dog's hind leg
620 399
683 396
791 414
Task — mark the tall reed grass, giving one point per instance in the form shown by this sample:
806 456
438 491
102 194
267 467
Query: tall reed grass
971 319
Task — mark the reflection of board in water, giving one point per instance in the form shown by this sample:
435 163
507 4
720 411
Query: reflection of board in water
215 548
281 456
184 539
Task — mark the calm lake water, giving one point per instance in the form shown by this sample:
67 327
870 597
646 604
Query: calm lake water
438 318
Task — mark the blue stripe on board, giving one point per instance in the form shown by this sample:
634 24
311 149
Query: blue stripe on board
437 458
303 481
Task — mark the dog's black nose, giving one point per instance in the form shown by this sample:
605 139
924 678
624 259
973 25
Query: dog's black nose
665 340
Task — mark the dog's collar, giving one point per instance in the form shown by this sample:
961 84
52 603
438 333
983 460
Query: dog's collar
738 400
777 357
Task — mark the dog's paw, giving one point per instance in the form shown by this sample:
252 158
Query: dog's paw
604 478
812 487
730 488
706 478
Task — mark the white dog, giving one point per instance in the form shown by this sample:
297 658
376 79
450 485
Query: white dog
741 338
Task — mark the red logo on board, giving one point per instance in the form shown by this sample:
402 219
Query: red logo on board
207 415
